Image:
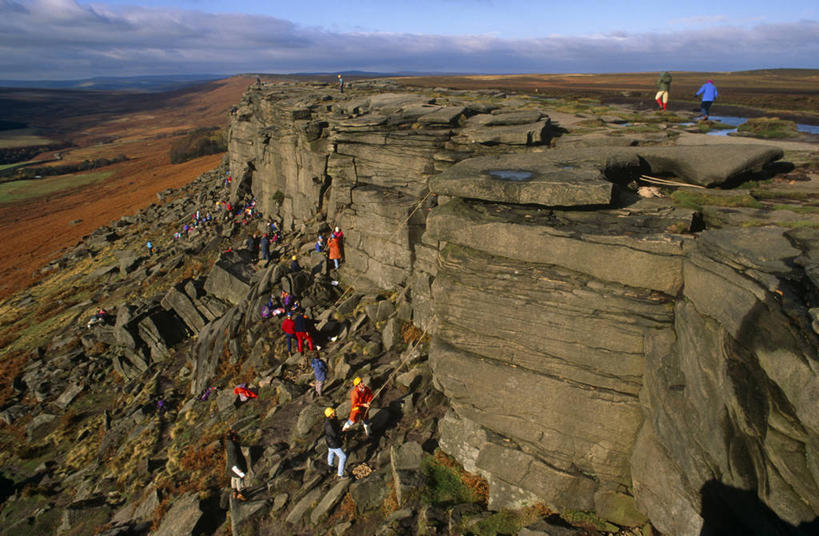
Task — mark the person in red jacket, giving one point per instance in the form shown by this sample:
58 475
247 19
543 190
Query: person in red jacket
361 396
289 328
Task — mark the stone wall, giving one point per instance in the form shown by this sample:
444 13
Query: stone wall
598 352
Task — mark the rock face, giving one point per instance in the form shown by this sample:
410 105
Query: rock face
598 351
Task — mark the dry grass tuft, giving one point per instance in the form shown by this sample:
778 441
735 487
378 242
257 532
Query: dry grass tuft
345 511
11 366
411 333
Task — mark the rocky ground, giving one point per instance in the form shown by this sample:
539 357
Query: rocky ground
87 449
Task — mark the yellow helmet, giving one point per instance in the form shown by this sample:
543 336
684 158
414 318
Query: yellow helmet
356 381
294 257
329 412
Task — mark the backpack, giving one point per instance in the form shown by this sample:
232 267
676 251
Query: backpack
266 311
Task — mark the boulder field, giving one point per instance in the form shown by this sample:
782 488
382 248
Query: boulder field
598 350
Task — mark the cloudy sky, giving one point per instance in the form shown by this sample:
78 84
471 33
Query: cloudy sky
69 39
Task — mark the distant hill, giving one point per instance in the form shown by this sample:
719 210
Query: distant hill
112 83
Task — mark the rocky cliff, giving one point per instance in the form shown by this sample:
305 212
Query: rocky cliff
640 358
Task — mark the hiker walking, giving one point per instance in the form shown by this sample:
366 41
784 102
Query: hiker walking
709 95
289 328
331 436
150 247
663 87
319 372
302 334
340 84
236 465
361 396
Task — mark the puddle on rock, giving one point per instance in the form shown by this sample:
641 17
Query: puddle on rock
510 175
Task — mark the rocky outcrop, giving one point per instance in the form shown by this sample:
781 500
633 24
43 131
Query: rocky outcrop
598 351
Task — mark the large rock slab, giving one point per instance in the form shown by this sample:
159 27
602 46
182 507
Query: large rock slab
523 179
228 283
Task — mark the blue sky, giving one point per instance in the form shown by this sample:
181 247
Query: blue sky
57 39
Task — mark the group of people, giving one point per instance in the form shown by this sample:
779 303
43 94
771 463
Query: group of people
332 244
708 91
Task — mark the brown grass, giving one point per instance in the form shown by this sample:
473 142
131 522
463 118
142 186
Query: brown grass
345 511
11 366
411 333
477 484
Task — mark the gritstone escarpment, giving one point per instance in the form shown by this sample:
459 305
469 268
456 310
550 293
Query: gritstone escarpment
599 351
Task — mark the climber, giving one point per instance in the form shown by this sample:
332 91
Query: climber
301 333
331 436
289 328
294 264
319 372
236 464
360 397
663 87
334 249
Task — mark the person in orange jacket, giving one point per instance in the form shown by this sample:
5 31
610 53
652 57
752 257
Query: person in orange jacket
334 248
361 396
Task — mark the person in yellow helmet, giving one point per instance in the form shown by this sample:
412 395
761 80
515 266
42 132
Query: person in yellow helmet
340 84
294 265
360 396
333 440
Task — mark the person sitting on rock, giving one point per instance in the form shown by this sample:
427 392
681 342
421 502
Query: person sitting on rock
236 465
361 396
244 392
302 333
289 328
100 317
333 440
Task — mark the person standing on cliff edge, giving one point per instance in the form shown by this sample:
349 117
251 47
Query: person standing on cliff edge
663 87
709 95
340 84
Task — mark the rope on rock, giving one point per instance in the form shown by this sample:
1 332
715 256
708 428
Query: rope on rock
397 230
401 364
667 182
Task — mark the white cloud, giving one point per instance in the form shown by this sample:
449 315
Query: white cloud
52 39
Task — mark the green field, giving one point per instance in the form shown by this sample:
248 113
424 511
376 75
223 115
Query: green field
4 167
22 137
13 192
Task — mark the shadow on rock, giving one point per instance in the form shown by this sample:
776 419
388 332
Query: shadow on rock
729 511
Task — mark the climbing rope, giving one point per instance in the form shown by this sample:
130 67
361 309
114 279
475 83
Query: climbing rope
397 230
667 182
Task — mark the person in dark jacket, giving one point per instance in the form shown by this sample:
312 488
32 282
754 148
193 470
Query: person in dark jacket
264 246
319 372
332 435
236 465
294 264
251 243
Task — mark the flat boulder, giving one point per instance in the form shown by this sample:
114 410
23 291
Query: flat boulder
525 179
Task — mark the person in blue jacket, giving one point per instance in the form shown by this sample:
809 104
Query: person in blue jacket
320 372
709 95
